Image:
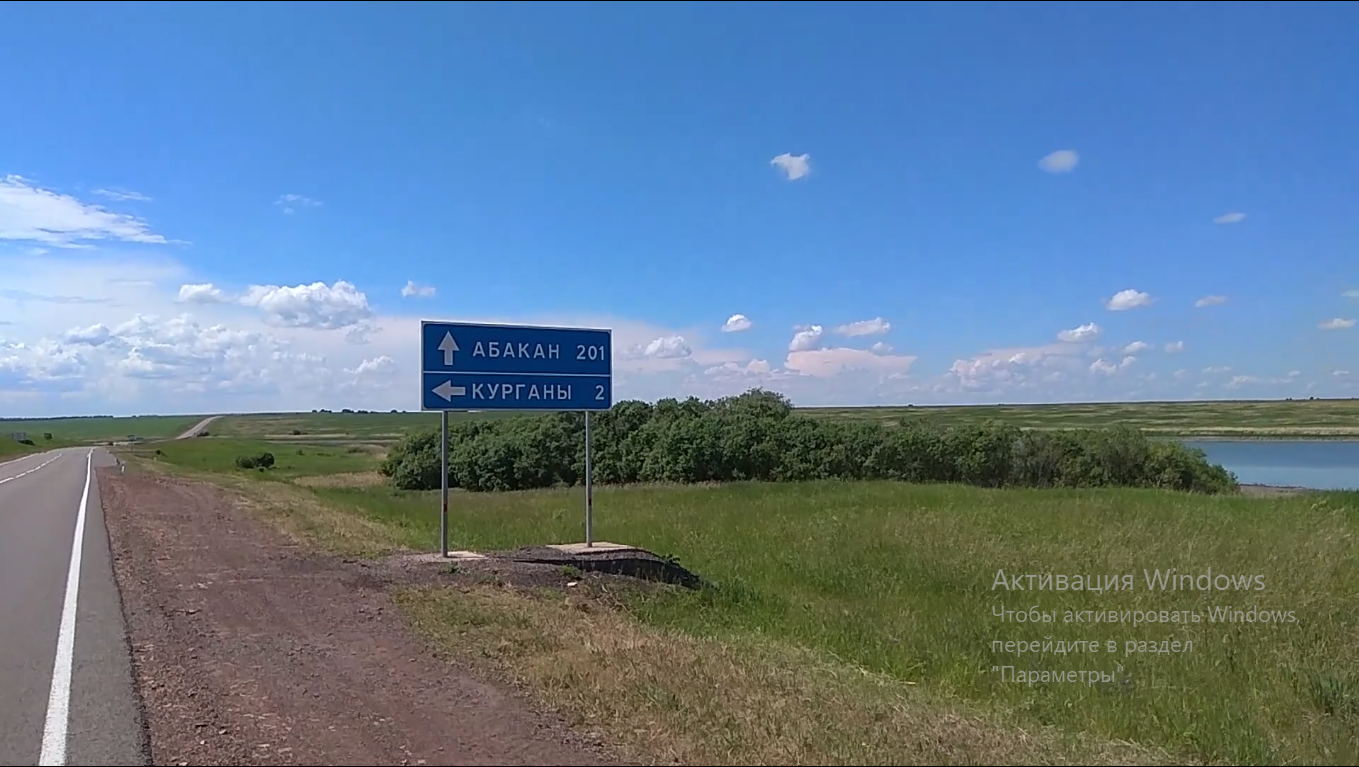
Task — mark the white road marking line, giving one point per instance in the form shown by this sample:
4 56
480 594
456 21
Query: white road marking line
30 471
59 700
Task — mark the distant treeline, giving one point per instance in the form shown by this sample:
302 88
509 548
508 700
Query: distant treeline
755 436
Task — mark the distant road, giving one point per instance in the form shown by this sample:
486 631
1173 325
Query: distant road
198 428
66 691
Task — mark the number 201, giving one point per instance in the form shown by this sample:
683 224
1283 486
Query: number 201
584 352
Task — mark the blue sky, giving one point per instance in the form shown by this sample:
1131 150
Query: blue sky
619 163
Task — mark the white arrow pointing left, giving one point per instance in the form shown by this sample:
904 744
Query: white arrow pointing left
448 346
448 391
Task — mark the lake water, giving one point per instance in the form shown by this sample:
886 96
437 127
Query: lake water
1317 464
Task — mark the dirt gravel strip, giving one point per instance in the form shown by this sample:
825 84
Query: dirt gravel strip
250 650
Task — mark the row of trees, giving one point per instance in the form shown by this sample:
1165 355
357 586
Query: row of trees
756 436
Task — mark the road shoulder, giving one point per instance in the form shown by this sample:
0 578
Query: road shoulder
251 650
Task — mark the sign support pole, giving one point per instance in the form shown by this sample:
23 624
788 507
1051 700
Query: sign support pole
443 484
589 489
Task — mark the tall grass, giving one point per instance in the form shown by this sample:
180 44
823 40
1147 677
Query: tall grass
898 579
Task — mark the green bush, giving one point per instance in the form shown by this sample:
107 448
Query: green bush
755 436
261 461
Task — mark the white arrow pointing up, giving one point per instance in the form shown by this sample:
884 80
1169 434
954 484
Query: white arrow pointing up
448 346
448 391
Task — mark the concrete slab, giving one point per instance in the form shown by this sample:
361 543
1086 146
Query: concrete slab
434 556
598 547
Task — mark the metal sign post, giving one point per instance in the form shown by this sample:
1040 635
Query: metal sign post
443 483
589 490
473 366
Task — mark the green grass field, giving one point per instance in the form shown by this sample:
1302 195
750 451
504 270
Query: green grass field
1273 418
1255 419
292 460
377 428
100 428
1337 419
894 583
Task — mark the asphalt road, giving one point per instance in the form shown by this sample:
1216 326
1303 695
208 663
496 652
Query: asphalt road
66 690
198 427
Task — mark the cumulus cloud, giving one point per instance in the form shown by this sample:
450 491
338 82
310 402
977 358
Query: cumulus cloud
875 326
1136 346
1082 334
793 166
417 291
291 203
737 323
1124 300
1061 161
34 214
377 366
1337 324
201 293
1174 347
318 305
1105 367
806 338
665 348
1230 218
1210 301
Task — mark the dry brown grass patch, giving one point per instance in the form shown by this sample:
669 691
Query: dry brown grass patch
669 698
353 479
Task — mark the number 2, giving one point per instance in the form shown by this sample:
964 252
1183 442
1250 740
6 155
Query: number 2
599 392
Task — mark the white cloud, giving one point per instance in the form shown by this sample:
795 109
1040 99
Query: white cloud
1136 346
33 214
121 195
806 338
418 291
832 362
1210 301
291 203
1061 161
1124 300
202 293
1350 294
875 326
1216 370
1238 382
793 166
1337 324
668 348
737 323
1015 369
1083 334
377 366
1340 373
94 334
318 305
1174 347
1104 367
1230 218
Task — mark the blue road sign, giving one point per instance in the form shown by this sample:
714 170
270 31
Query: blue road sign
466 366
